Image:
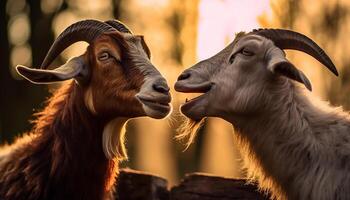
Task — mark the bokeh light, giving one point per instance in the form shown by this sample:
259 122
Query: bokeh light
19 30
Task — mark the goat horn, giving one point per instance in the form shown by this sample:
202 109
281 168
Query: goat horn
86 30
286 39
120 26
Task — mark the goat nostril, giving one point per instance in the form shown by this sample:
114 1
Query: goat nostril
184 76
161 88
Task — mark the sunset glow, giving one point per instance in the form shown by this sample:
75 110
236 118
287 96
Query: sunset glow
218 22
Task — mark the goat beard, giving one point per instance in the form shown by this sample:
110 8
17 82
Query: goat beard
113 139
188 130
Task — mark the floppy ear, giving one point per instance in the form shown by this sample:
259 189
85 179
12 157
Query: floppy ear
278 64
74 68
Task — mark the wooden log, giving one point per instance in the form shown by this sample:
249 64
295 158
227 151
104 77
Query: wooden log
136 185
199 186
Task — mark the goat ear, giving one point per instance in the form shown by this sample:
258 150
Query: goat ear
278 64
285 68
74 68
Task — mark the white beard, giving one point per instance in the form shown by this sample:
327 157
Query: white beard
113 139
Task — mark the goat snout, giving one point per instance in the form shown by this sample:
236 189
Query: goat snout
194 75
192 79
155 97
161 86
185 75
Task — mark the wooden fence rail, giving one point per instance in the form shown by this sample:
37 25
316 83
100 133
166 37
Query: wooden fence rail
135 185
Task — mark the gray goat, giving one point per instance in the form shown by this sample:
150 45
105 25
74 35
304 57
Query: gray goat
295 146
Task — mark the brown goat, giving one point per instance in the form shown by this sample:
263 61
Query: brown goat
74 148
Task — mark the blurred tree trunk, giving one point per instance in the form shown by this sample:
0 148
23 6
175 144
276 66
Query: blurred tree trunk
41 32
4 63
116 8
15 109
19 98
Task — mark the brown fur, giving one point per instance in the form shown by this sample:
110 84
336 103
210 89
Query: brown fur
62 156
49 164
111 93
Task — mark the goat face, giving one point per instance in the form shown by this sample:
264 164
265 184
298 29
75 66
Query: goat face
237 80
231 80
123 80
115 72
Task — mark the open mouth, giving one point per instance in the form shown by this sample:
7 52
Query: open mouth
201 89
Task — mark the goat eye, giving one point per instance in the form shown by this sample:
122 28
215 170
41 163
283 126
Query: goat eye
247 52
104 56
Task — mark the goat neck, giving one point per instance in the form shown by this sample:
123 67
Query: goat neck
293 139
63 150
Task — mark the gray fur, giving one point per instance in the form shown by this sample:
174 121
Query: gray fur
294 145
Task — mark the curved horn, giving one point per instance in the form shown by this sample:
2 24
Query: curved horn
86 30
120 26
286 39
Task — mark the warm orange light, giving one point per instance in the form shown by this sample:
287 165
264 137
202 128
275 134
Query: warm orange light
218 22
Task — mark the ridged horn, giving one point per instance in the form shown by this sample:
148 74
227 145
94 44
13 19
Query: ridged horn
86 30
287 39
120 26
